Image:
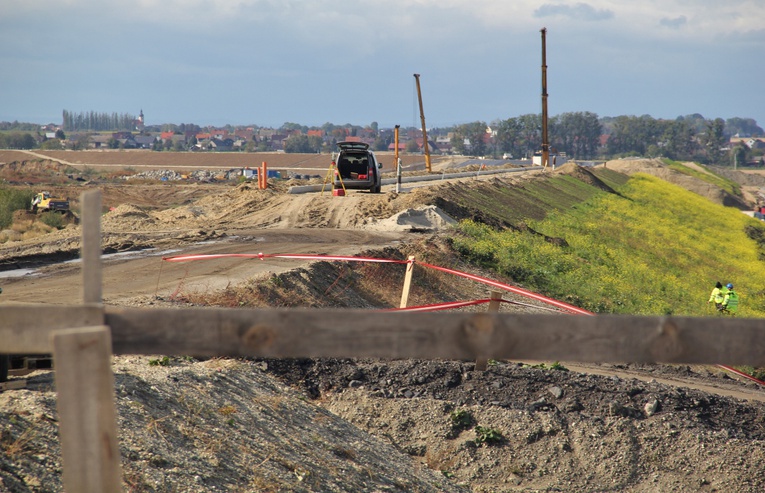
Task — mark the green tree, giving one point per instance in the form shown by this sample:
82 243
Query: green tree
577 134
380 144
678 139
714 140
744 127
302 143
508 138
17 140
631 135
530 128
739 154
475 134
292 127
52 145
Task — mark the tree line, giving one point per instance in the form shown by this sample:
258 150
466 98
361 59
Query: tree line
93 121
583 135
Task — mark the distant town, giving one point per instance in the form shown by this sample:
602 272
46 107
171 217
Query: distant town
579 135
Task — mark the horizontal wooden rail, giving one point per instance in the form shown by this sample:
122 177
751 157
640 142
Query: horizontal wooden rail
362 333
27 328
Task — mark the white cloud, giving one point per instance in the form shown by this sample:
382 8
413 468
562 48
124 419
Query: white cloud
303 45
579 11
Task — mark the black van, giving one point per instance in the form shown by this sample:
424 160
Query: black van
357 167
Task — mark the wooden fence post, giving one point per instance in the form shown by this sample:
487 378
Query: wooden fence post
407 282
87 411
482 363
263 176
91 246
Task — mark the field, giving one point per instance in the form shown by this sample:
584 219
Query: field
145 159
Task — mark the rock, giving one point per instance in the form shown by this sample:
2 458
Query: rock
557 392
651 407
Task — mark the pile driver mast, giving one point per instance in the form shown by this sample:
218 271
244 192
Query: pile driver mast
545 137
422 118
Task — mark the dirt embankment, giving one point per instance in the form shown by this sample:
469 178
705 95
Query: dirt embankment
705 189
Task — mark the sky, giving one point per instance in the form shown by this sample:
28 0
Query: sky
267 62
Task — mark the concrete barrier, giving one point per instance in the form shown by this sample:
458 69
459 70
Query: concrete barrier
414 179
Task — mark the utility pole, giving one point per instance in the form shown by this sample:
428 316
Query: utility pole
398 161
424 132
545 138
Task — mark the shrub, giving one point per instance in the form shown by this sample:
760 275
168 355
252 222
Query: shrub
52 219
12 200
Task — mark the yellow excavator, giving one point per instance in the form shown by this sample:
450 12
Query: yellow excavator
45 201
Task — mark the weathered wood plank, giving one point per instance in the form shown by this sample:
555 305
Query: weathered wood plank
12 385
26 328
407 282
481 363
360 333
91 246
86 408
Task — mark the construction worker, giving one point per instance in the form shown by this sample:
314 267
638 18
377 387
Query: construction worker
730 301
717 296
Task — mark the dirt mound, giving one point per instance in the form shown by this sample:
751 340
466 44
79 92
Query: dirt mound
517 427
35 171
420 220
584 175
23 216
126 216
208 426
657 168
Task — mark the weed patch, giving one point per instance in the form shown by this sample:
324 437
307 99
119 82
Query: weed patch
651 249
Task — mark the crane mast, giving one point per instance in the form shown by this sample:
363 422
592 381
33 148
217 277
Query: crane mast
422 118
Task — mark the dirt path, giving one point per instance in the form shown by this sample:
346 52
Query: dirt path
37 155
126 277
731 388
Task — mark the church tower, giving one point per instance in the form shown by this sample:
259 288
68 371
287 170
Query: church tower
140 122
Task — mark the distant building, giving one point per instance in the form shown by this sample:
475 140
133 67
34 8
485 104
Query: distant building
144 141
99 141
139 123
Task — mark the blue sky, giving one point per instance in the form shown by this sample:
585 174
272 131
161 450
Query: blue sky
266 62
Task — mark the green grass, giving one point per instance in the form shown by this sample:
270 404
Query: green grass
652 249
729 186
531 200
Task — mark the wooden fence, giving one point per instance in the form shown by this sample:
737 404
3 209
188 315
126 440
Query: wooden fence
82 339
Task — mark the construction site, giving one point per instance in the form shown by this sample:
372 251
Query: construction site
190 422
209 328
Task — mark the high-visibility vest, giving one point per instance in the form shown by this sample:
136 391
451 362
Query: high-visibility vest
730 302
717 296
